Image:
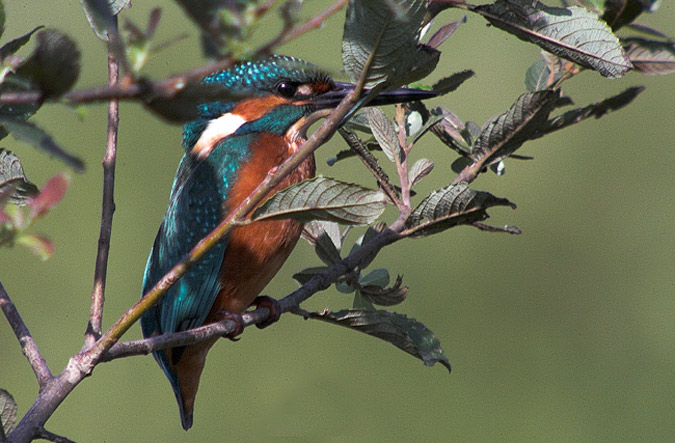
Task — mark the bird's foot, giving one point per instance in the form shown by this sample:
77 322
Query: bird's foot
264 301
224 314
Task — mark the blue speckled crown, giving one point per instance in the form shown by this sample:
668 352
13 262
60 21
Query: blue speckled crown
262 75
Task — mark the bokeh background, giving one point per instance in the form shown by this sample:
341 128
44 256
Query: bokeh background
565 333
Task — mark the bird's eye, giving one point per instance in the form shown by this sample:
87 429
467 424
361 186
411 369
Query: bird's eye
286 89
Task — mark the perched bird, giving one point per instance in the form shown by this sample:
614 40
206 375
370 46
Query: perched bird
230 148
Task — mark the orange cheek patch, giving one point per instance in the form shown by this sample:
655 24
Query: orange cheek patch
254 108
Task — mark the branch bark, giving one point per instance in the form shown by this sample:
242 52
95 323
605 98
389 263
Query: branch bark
93 332
28 345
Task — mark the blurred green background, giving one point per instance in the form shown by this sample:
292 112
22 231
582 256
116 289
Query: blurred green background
565 333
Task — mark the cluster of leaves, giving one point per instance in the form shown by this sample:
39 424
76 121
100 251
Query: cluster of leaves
21 204
382 39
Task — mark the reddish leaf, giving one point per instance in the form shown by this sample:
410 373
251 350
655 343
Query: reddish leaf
49 196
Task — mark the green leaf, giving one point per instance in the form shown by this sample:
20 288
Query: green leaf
451 206
596 110
360 303
405 333
449 84
572 33
37 244
30 133
505 134
101 15
12 46
8 410
54 66
376 277
419 170
385 34
651 57
385 133
307 274
323 198
378 295
14 186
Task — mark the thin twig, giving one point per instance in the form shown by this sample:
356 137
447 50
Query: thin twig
93 332
370 162
289 34
28 345
50 436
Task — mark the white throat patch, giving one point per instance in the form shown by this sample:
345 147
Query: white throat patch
217 129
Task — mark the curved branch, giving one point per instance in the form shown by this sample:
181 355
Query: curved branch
28 345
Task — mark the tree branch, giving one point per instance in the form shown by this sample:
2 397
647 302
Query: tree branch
28 345
81 365
290 303
93 332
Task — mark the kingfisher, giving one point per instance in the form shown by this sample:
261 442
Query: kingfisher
229 149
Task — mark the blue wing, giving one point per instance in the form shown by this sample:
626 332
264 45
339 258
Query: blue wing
195 208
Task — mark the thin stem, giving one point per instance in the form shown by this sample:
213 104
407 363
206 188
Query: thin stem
287 35
93 332
402 163
371 163
28 345
50 436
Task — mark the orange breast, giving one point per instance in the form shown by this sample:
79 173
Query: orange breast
255 252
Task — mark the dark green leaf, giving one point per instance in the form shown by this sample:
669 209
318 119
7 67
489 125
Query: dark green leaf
596 110
30 133
361 303
621 12
573 33
384 35
183 106
14 186
385 133
449 84
326 239
378 295
323 198
451 206
54 66
506 133
405 333
451 131
16 44
307 274
376 277
7 411
651 57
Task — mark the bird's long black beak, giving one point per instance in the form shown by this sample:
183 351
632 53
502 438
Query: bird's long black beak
333 97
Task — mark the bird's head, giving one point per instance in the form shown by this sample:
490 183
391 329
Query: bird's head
279 95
